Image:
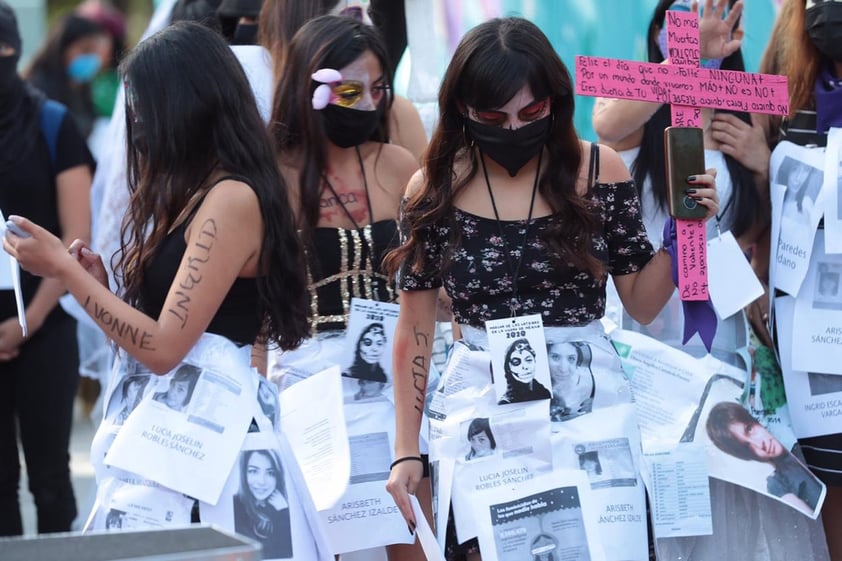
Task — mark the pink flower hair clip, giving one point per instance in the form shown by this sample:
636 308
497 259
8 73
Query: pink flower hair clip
324 93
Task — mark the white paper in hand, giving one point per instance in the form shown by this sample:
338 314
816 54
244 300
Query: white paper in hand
732 282
10 279
425 534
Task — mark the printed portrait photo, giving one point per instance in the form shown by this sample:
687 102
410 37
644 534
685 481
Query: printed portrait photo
126 397
267 398
481 442
572 379
803 184
608 463
183 382
766 465
519 369
261 510
367 367
827 294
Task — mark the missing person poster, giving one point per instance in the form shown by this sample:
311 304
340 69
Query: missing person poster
548 520
186 431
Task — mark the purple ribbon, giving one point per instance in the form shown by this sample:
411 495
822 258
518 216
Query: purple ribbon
699 315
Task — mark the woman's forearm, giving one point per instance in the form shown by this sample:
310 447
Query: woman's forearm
411 357
648 290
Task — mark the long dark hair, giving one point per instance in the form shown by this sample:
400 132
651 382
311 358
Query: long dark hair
205 119
746 210
47 68
263 525
492 62
280 20
325 42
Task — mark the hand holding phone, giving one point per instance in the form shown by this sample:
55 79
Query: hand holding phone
16 230
684 152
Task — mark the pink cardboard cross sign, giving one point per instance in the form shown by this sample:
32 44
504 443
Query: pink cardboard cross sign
687 88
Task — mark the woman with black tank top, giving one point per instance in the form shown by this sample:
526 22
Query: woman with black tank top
334 96
210 261
806 46
516 216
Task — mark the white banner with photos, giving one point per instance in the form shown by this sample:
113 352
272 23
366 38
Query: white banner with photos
815 398
683 399
816 326
801 170
549 517
486 447
261 500
186 430
605 445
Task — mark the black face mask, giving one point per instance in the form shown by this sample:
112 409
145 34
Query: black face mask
348 127
8 75
512 149
824 26
245 34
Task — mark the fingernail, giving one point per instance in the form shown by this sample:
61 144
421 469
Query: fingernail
87 252
691 178
14 218
689 191
409 526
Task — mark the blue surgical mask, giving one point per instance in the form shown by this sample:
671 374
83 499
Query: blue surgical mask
83 68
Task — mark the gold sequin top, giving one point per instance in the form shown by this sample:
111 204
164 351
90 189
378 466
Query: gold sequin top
343 269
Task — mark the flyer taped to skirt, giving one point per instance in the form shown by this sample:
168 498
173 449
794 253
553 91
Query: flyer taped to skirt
682 399
189 425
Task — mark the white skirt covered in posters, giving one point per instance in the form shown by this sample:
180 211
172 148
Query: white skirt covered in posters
545 478
206 433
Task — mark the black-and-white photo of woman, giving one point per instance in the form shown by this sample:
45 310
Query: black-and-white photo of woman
182 384
480 439
261 510
131 390
519 367
369 350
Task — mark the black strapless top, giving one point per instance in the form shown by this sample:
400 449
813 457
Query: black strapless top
348 264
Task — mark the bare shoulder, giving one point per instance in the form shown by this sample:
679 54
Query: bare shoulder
231 200
612 168
395 166
415 184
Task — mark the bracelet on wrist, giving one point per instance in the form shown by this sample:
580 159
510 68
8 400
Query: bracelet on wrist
406 458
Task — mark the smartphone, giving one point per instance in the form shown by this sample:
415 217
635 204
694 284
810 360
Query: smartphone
684 152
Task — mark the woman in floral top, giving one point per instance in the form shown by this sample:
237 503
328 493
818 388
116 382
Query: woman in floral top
511 220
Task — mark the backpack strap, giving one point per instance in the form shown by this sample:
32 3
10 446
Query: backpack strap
593 167
52 115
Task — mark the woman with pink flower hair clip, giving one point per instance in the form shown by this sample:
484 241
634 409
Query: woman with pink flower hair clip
330 121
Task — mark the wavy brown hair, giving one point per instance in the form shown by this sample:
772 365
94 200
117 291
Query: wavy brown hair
492 62
325 42
280 20
791 52
205 119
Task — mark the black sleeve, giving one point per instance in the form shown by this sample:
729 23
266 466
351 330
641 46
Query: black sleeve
389 16
71 148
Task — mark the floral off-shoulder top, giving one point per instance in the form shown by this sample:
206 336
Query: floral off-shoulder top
478 278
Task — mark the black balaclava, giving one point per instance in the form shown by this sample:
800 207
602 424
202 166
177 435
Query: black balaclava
19 103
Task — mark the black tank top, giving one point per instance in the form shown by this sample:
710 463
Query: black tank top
239 316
